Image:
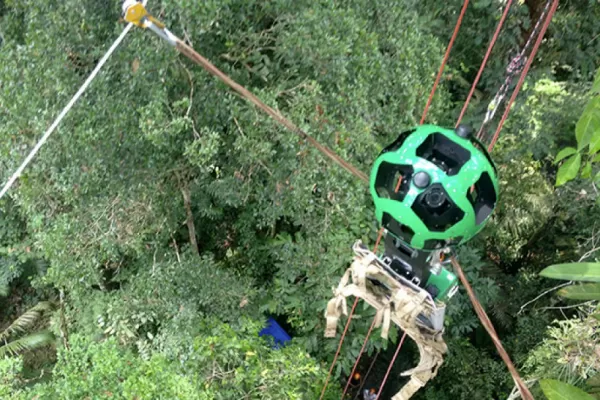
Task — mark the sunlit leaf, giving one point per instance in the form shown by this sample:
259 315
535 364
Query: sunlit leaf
573 272
565 153
588 124
587 291
556 390
568 170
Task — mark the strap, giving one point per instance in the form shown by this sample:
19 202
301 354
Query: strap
403 308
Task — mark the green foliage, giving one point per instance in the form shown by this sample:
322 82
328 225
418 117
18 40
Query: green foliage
545 119
15 248
527 204
586 272
587 133
581 271
589 291
485 375
226 364
102 203
9 376
26 320
27 343
556 390
568 352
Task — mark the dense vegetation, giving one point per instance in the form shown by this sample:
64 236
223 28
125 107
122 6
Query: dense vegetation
166 219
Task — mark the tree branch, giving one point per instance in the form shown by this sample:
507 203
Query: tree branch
187 203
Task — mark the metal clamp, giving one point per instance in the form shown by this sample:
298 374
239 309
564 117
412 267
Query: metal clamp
135 12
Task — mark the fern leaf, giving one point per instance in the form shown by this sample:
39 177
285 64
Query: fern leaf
27 343
25 321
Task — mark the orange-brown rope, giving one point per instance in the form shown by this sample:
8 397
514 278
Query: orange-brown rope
390 366
489 327
485 59
358 358
444 60
208 66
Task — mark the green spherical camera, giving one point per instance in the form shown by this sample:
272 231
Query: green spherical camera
434 187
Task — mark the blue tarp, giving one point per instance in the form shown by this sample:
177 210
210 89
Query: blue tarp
274 330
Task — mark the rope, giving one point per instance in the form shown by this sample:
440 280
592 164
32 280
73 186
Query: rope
479 310
425 110
366 376
337 353
64 112
423 117
485 59
387 373
536 46
513 68
359 357
489 327
377 242
445 59
210 68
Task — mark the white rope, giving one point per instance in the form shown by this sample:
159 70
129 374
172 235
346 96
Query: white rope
65 111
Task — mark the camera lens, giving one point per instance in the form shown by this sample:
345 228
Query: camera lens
435 198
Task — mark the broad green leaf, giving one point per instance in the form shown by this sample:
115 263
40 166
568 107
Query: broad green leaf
589 272
568 170
595 139
556 390
586 172
588 124
566 152
586 291
596 159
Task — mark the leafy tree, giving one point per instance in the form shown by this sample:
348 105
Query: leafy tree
226 364
165 203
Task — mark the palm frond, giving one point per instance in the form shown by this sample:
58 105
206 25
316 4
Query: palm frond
27 343
25 321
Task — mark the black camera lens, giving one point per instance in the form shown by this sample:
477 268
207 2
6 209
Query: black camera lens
435 198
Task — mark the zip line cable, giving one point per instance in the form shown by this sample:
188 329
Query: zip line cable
390 366
515 66
64 112
339 348
190 53
485 60
536 46
444 60
358 358
489 327
479 310
366 376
